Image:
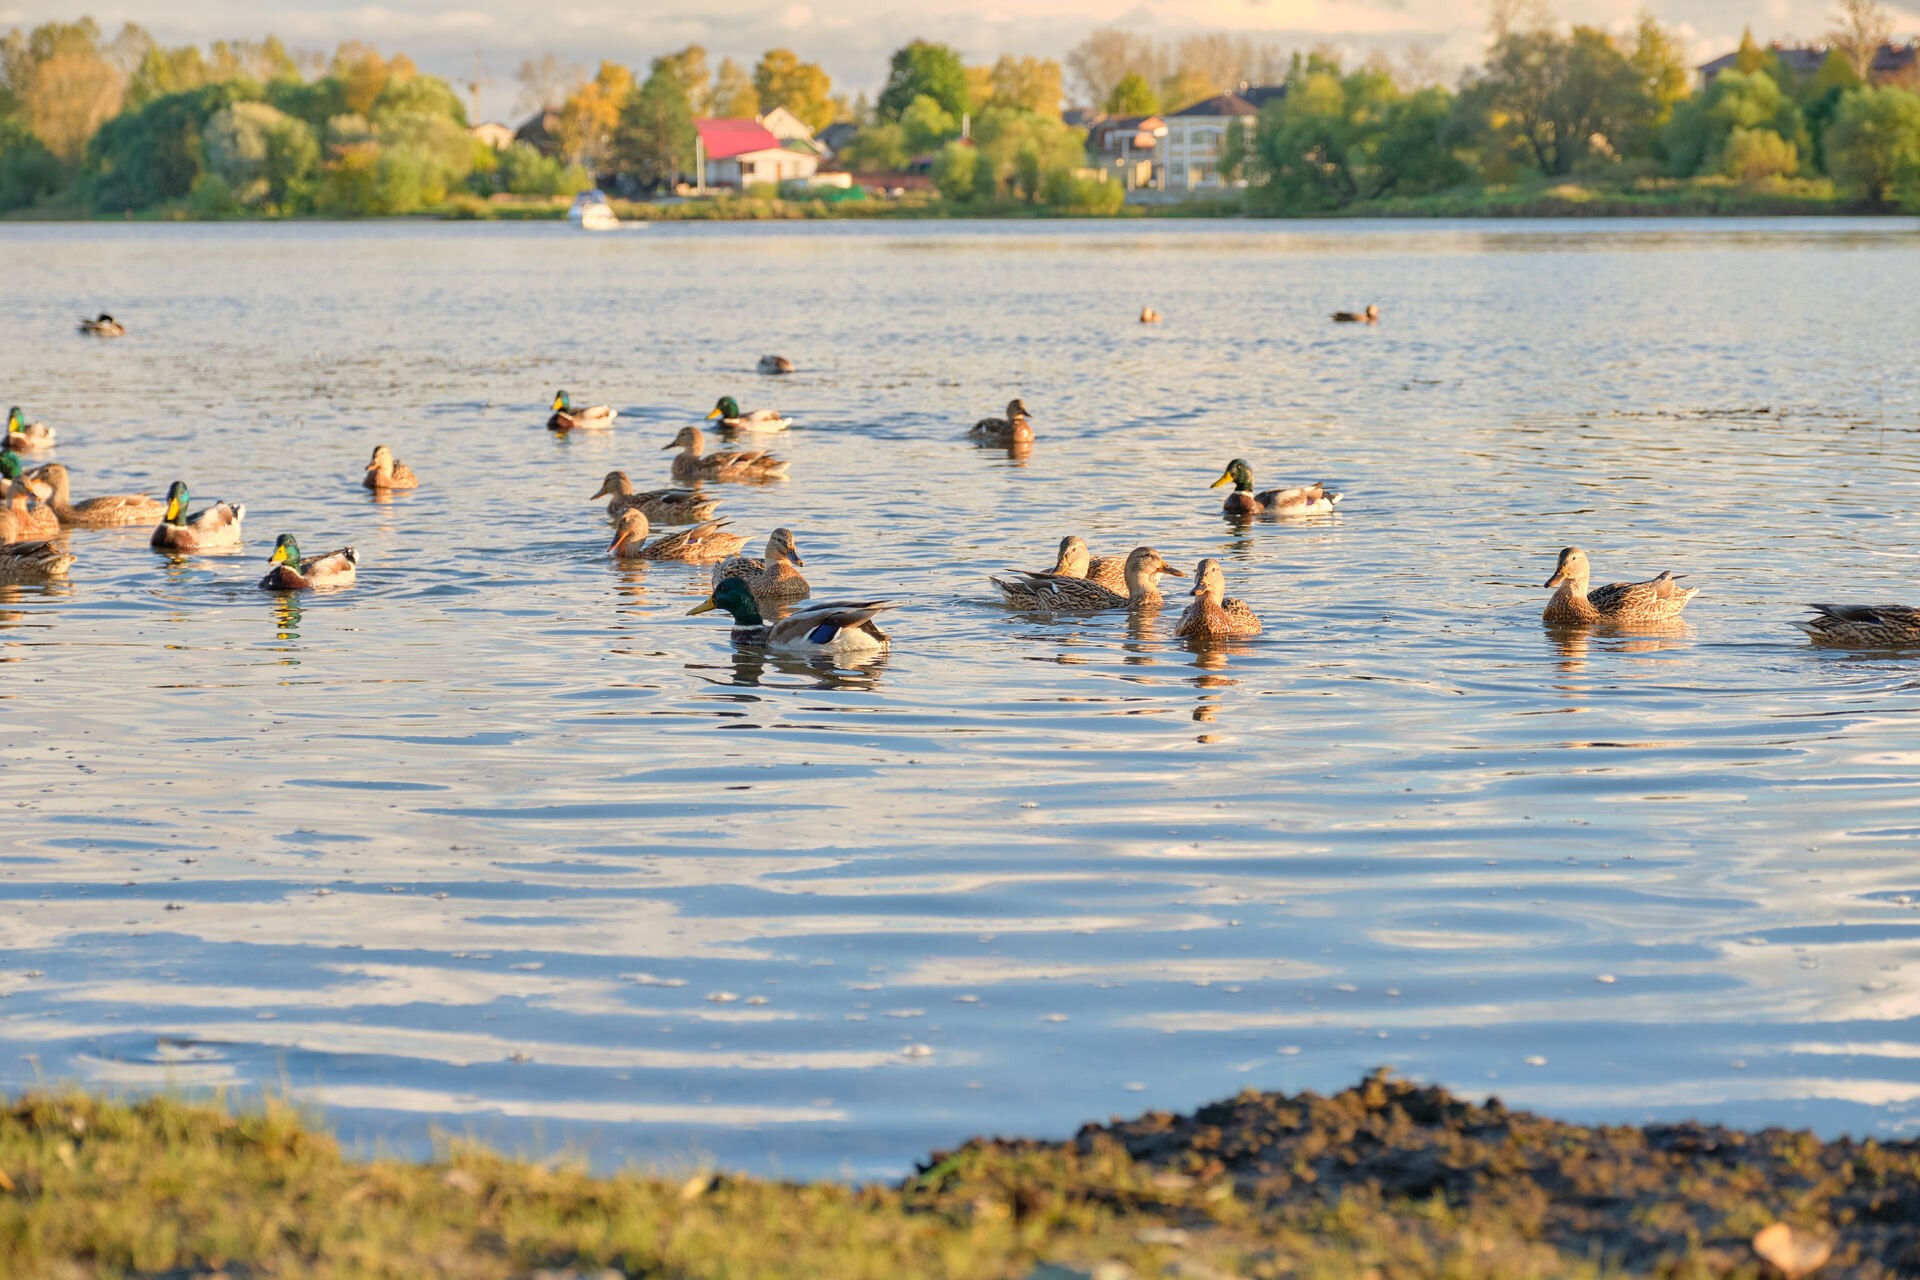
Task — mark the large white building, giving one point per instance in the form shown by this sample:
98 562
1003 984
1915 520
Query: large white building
740 153
1189 155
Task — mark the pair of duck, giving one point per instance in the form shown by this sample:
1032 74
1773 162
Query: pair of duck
741 584
1080 583
218 527
1662 599
599 417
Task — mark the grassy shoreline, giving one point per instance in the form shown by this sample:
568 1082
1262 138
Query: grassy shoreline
1386 1179
1689 198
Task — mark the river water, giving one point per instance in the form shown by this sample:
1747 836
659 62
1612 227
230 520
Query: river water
499 842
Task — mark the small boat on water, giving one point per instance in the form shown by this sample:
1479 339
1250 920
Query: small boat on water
591 212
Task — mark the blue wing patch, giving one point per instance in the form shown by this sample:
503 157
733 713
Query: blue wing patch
823 634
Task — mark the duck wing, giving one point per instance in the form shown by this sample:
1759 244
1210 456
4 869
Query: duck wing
820 624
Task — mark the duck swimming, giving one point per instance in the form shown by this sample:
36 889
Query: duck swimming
106 512
702 544
814 628
727 409
291 572
1072 561
1656 600
25 516
1013 429
33 562
1213 614
387 472
1057 593
590 418
1369 316
665 506
216 527
1306 500
103 326
746 465
1863 626
24 436
775 365
773 578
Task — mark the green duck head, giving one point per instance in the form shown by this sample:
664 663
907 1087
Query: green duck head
16 420
562 403
1240 473
285 551
177 500
736 598
726 408
9 464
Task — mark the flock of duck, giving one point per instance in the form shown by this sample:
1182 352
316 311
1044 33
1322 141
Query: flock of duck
39 505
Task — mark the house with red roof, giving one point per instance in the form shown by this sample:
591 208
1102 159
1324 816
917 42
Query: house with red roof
738 153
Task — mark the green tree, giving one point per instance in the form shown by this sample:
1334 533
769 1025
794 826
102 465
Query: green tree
264 157
1874 142
655 138
925 126
28 171
145 157
921 69
1820 99
734 96
1548 97
1029 84
688 67
782 80
1696 140
1018 149
1132 95
878 148
954 170
1661 69
1336 140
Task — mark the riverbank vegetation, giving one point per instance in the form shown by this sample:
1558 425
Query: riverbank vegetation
1384 1179
1555 119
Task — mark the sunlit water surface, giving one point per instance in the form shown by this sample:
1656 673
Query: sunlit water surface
501 842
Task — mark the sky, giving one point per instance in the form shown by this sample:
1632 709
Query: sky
852 38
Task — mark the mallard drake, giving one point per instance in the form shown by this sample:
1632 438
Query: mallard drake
727 409
1369 316
103 326
1656 600
387 472
217 526
773 578
33 561
25 517
1306 500
702 544
11 477
1149 316
24 436
1071 562
591 418
1864 626
774 364
1214 614
744 465
1010 430
291 572
108 512
814 628
663 506
1057 593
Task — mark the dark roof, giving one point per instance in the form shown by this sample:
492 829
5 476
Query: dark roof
838 134
1261 94
1225 104
1082 117
539 130
1804 60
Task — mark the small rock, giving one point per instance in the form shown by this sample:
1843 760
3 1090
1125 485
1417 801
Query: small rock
1163 1235
696 1186
1097 1271
1792 1252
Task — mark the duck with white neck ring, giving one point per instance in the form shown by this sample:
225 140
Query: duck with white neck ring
834 627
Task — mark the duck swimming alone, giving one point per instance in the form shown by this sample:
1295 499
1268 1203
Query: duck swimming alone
387 472
1863 626
216 527
1013 429
1370 316
727 409
1149 316
815 628
744 465
107 512
1656 600
702 544
1214 615
1306 500
567 418
775 365
663 506
103 326
1057 593
775 577
291 572
24 436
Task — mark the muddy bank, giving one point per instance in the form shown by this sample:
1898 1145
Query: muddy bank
1387 1179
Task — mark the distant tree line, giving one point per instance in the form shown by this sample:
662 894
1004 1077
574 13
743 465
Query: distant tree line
88 121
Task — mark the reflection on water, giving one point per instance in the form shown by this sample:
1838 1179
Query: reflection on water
500 837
